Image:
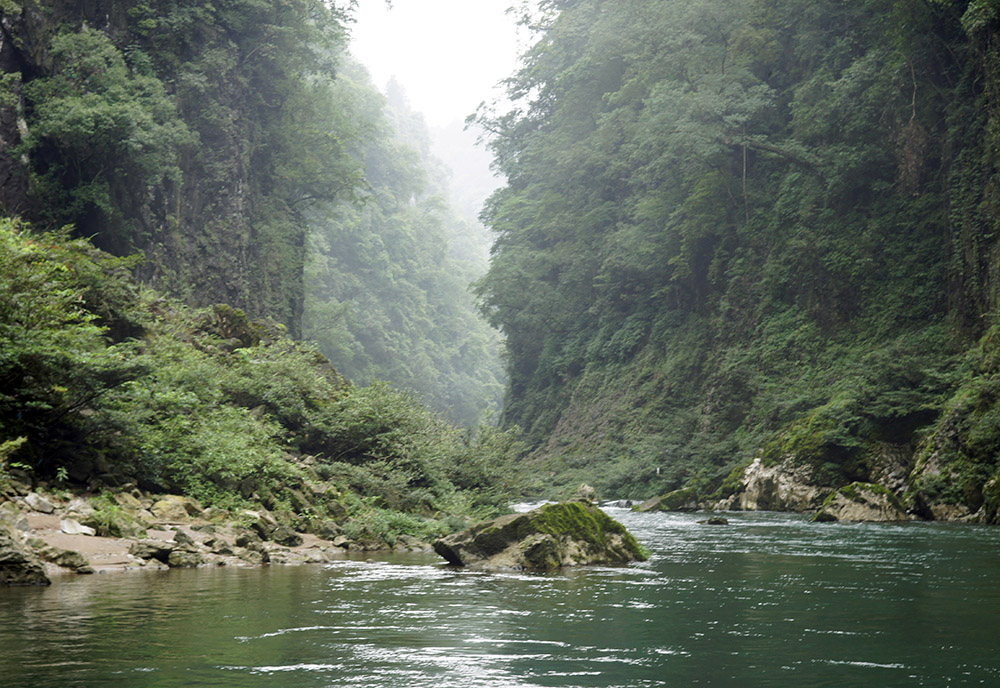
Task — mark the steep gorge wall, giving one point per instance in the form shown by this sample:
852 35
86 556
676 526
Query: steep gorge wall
728 234
225 84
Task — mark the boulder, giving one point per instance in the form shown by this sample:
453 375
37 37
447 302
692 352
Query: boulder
217 545
9 513
545 539
66 558
862 502
326 529
262 522
715 521
152 549
180 559
408 543
39 503
284 535
585 493
71 526
129 501
249 539
678 500
18 565
252 556
175 508
79 509
185 541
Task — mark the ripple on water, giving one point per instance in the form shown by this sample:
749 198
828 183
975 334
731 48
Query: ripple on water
768 600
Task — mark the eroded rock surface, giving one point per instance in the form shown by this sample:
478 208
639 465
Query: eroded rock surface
544 539
862 502
787 486
18 565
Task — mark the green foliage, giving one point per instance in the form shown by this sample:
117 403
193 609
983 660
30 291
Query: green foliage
196 132
958 461
109 519
212 404
95 122
54 359
724 232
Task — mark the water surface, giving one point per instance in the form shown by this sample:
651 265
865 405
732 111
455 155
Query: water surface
770 600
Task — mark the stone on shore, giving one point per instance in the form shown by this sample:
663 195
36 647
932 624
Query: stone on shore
39 503
152 549
71 526
182 559
18 565
175 508
544 539
67 558
284 535
862 502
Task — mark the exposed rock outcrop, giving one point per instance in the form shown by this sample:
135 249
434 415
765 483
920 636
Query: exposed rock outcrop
862 502
787 486
544 539
715 521
18 565
66 558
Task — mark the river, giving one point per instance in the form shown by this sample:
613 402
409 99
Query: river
769 600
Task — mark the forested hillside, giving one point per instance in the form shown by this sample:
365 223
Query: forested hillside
759 228
172 173
387 289
231 144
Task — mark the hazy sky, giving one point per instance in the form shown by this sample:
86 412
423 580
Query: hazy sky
447 54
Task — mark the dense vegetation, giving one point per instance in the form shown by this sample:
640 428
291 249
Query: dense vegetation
106 383
233 144
760 227
194 132
223 153
757 228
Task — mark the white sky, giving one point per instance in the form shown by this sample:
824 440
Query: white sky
447 54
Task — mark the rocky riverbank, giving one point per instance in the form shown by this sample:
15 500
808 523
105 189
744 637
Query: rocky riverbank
45 535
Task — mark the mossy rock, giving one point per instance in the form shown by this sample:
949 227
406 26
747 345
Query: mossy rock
678 500
544 539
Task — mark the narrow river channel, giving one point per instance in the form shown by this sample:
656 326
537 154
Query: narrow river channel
769 600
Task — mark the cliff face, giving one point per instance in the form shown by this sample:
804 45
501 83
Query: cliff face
181 130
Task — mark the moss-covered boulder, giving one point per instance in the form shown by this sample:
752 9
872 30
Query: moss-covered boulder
544 539
862 502
678 500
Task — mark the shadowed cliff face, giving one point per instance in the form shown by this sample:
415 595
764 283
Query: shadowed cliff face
202 150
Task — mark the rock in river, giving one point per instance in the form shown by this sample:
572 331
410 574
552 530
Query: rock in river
678 500
544 539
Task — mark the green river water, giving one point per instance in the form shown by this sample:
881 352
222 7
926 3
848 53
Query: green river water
769 600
